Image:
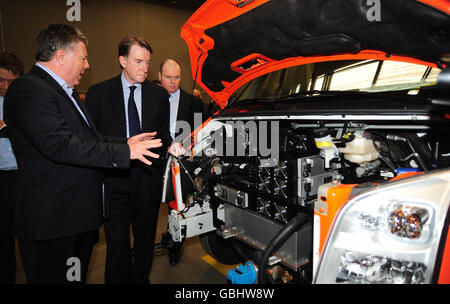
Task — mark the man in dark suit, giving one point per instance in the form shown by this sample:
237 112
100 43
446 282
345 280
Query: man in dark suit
183 108
60 154
133 195
10 69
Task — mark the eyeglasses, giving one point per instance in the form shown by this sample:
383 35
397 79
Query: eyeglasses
8 81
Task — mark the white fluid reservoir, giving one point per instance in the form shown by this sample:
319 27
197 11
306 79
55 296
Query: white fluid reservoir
360 150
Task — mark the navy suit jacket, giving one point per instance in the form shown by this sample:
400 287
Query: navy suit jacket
106 105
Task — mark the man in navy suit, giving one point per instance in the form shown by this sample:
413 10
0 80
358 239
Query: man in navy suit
132 195
60 156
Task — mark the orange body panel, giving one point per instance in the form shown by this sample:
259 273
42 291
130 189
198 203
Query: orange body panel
444 274
443 5
336 197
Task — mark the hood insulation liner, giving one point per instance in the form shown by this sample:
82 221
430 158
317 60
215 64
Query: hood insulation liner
290 28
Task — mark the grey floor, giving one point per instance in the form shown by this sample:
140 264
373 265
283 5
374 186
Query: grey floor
192 269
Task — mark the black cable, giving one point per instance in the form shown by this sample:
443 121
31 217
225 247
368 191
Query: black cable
280 238
187 172
411 147
388 162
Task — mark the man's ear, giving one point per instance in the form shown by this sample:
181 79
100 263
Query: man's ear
60 56
122 61
159 76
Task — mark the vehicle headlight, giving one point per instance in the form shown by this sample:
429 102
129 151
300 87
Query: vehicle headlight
388 235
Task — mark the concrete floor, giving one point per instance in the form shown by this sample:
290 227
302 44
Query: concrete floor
195 267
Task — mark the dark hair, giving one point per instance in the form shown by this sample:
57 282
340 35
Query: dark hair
12 63
56 37
126 43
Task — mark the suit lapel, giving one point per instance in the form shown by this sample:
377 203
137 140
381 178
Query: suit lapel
55 85
118 104
52 82
182 105
147 106
83 108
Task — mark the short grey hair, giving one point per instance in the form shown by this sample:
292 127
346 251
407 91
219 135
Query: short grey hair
56 37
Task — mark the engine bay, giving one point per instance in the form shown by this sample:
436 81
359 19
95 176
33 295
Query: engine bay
246 196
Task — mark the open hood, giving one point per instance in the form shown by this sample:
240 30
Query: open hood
234 41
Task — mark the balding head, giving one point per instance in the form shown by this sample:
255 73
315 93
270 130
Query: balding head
170 75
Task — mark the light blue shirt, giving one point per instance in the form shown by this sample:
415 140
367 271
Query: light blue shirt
174 100
65 87
7 158
137 99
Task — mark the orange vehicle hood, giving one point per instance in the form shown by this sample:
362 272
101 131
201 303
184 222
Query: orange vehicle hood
231 42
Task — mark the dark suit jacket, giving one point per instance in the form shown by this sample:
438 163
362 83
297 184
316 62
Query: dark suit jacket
187 106
59 181
106 105
4 132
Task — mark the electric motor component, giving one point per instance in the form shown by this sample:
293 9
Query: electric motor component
232 196
216 166
264 207
311 175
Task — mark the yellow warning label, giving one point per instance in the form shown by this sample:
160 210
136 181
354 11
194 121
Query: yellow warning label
324 144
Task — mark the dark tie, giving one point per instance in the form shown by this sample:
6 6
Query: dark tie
134 126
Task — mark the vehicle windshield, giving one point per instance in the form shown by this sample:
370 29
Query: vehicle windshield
334 76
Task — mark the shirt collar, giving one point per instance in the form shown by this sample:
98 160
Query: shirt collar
126 84
58 79
175 95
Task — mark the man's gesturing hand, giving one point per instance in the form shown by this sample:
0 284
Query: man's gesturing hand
142 136
140 148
